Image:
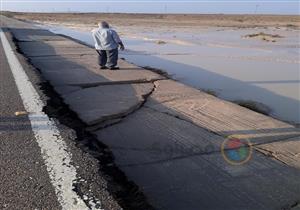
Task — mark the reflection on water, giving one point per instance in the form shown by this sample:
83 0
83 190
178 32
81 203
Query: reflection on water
221 60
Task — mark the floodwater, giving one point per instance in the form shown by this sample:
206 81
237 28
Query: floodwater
221 60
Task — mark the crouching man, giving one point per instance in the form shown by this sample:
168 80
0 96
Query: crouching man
107 42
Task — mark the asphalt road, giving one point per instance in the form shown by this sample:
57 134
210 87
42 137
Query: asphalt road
25 180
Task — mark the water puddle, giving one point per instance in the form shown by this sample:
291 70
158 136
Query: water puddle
221 61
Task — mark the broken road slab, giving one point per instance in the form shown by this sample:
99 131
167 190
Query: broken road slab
287 151
27 32
76 77
63 71
97 104
30 35
61 62
74 61
216 115
160 136
53 48
85 78
12 23
161 154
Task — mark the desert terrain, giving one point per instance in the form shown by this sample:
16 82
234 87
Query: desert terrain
152 20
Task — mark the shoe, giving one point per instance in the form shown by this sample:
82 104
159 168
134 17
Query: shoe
103 67
114 68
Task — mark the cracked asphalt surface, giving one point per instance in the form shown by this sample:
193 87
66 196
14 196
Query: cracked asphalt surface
25 183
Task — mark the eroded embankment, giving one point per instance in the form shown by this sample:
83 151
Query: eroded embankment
126 193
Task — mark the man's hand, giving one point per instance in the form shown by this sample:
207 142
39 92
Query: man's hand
122 46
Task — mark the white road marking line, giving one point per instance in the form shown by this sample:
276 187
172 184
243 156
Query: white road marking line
54 150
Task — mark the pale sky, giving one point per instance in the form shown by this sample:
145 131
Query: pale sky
156 6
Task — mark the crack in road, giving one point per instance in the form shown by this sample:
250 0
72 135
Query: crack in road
97 84
115 120
126 193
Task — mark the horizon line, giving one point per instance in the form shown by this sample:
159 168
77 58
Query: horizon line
150 13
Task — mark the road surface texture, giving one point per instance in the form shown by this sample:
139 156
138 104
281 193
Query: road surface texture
25 180
163 141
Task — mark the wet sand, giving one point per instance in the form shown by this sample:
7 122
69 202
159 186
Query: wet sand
226 57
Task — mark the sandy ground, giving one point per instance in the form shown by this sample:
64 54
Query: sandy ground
237 57
167 20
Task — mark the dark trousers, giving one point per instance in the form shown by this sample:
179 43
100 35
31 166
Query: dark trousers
109 57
